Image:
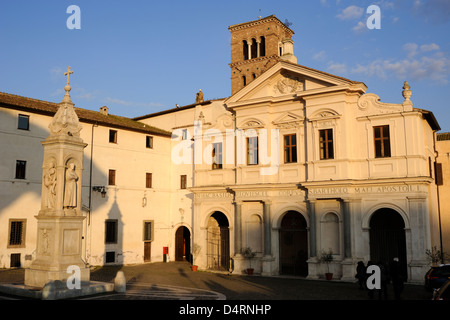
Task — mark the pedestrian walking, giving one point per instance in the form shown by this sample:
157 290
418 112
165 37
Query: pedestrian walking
370 292
384 280
398 278
361 274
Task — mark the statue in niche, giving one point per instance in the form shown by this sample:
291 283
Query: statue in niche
70 190
50 184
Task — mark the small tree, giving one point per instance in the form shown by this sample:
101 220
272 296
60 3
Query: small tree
327 257
248 253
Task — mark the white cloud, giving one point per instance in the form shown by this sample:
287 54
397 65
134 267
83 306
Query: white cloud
337 68
360 27
424 65
131 103
411 49
320 55
118 101
429 47
351 13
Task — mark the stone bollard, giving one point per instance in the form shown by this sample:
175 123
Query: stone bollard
120 283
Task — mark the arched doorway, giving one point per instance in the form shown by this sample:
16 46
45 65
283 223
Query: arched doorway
218 240
387 237
293 244
183 244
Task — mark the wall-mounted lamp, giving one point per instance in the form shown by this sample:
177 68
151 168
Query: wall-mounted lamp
100 189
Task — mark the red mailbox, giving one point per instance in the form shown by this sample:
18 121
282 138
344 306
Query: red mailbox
165 250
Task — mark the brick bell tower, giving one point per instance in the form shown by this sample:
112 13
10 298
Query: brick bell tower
256 46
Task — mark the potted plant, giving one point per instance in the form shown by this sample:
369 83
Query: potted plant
327 257
195 250
249 254
435 256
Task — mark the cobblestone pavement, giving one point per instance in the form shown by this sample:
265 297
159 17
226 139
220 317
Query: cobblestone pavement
175 280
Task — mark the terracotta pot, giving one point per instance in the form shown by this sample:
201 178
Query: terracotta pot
250 271
194 268
328 276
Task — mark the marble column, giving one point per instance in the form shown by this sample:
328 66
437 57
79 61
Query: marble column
347 229
313 262
312 229
267 262
238 227
347 264
267 228
420 238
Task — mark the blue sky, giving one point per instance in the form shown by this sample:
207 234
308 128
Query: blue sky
139 57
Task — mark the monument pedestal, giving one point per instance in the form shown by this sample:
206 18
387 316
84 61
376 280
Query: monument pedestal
58 248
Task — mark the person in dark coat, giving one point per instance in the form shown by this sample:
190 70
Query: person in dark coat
385 278
397 277
361 274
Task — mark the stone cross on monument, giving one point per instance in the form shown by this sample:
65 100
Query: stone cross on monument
68 73
60 221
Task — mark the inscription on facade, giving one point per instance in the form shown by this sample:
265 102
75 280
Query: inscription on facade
365 190
213 195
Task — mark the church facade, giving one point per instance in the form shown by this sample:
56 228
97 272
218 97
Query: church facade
294 164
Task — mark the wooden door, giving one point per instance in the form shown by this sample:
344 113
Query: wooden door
147 251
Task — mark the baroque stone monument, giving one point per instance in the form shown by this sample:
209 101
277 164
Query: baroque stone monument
60 221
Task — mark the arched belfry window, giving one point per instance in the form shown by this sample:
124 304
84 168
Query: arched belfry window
245 49
244 80
262 48
254 49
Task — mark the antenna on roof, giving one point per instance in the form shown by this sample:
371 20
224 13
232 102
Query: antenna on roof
259 17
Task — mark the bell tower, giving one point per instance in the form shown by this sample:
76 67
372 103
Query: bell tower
256 46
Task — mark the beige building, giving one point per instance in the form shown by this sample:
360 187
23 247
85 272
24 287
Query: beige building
443 182
295 162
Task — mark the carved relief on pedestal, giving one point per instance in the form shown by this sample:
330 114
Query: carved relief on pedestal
45 235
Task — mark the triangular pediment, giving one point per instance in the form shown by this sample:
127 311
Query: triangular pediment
287 80
288 120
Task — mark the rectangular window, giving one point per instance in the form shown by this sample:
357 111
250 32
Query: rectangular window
112 177
183 181
184 134
23 122
252 150
20 169
382 141
326 144
290 148
148 180
17 233
15 260
113 136
217 155
111 231
438 176
148 231
149 142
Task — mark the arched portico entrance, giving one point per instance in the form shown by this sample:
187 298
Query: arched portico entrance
218 240
387 237
183 244
293 244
